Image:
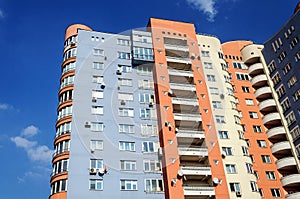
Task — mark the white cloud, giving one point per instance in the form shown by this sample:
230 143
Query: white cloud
34 151
205 6
30 131
4 106
1 14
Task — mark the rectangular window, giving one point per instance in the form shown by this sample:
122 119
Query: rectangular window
294 42
126 112
96 126
126 146
257 129
126 128
296 95
150 147
249 102
96 184
143 53
227 150
253 115
144 70
153 185
242 76
123 42
97 94
281 56
249 168
292 81
123 55
235 187
237 119
297 56
287 68
128 185
152 166
149 130
276 193
98 65
146 113
98 110
146 98
285 104
262 143
96 163
266 159
124 68
213 91
124 82
223 135
276 78
270 175
220 119
280 91
207 65
125 96
211 78
96 145
230 168
205 53
128 165
239 65
145 84
217 104
290 118
245 89
98 52
97 79
295 132
245 150
253 185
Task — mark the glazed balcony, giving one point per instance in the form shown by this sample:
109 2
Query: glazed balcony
256 69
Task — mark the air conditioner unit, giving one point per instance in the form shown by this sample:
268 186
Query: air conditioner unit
73 43
92 150
222 96
103 85
238 194
170 92
176 130
93 171
159 151
87 124
217 181
180 173
167 123
223 154
94 99
123 102
119 72
151 104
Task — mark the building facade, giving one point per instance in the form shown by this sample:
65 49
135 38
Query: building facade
166 113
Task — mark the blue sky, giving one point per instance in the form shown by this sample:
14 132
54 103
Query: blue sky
31 45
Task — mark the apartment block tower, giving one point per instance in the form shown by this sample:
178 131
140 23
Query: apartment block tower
167 113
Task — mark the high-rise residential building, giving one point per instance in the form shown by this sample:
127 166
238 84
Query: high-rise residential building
168 113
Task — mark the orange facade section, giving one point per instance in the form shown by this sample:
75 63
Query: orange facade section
160 29
61 195
73 30
233 54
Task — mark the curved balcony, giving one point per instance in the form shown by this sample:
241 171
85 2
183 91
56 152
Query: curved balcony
272 119
277 133
251 53
293 195
259 80
256 69
281 148
287 163
263 93
291 181
268 105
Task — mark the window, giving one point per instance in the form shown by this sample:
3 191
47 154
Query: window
96 145
287 68
98 52
230 91
148 130
217 104
276 193
266 159
67 81
153 185
281 56
220 119
249 102
143 53
296 95
207 65
125 68
123 55
205 53
223 135
62 147
96 94
152 166
237 119
128 165
230 168
145 113
97 79
70 53
146 98
295 132
257 129
126 146
227 150
60 166
245 89
272 66
126 112
145 84
211 78
294 42
290 118
285 104
253 185
96 163
63 129
66 111
124 82
292 81
126 128
149 146
59 186
280 91
297 57
98 65
97 110
242 76
125 96
261 192
144 70
96 184
123 42
253 115
129 185
235 187
262 143
276 78
96 126
239 65
245 150
213 91
68 67
271 175
249 168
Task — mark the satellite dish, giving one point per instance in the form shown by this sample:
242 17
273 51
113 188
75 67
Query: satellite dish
216 180
180 173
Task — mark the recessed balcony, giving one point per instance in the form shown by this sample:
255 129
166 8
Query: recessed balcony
272 119
268 105
256 69
192 151
259 80
263 93
179 60
187 117
184 73
186 87
198 190
281 148
190 134
185 101
196 170
288 163
176 47
251 53
277 133
291 181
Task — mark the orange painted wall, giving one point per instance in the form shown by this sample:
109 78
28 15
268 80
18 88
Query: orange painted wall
233 49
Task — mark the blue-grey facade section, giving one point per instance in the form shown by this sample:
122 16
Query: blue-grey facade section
287 34
80 153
